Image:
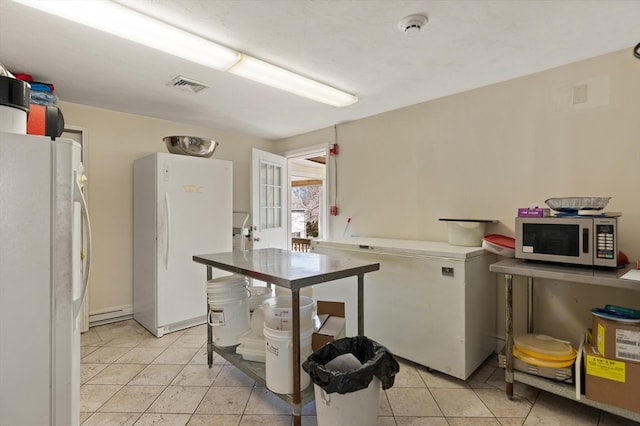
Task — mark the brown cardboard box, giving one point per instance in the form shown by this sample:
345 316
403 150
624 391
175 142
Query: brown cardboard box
615 339
331 316
612 382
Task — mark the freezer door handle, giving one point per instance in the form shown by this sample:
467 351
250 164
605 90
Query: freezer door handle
77 303
167 209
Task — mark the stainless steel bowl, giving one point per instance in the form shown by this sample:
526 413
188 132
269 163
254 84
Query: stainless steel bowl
190 145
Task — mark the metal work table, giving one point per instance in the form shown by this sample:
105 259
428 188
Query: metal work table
531 270
292 270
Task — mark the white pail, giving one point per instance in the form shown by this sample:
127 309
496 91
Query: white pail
359 408
279 359
258 296
228 300
278 313
467 234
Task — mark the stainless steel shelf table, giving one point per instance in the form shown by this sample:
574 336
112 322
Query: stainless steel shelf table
292 270
586 276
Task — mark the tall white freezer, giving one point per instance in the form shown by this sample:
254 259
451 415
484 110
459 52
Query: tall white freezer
431 303
42 280
182 206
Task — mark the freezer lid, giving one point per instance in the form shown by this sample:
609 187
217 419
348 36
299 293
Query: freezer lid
416 248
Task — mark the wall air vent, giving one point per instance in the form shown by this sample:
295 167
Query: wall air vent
187 84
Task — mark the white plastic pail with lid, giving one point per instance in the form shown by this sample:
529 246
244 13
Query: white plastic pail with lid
279 359
228 299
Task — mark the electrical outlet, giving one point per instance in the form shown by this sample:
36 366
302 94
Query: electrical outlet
333 210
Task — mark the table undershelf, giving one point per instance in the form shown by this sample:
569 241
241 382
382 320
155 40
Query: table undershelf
256 370
568 390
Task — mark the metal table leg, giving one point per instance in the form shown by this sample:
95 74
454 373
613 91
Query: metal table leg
529 305
297 397
209 328
508 374
360 304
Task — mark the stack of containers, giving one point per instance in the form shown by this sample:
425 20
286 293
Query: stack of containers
278 335
252 341
228 299
544 351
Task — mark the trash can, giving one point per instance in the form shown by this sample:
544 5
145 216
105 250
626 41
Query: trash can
347 375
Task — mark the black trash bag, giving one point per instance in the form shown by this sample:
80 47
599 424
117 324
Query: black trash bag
376 361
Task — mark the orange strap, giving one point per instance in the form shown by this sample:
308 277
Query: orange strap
36 120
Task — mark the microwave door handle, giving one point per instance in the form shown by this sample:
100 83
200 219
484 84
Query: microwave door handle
585 240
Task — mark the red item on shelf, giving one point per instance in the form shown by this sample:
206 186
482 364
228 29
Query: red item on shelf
24 77
501 240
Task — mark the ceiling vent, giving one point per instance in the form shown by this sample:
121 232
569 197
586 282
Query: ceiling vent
187 84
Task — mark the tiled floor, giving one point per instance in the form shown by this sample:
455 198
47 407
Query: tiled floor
129 377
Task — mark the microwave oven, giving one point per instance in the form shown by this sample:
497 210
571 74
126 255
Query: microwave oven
579 240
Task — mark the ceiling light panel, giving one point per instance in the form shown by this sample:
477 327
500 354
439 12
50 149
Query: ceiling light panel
271 75
126 23
113 18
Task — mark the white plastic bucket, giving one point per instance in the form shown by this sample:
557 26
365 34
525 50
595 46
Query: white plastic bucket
258 296
228 314
278 313
279 359
467 234
358 408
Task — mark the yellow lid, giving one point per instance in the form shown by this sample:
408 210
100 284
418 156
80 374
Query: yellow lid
541 362
544 345
542 356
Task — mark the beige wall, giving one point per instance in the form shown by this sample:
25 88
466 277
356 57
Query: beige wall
115 140
486 152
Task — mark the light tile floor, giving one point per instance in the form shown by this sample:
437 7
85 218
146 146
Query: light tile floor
130 377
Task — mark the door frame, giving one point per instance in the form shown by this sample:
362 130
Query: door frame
305 152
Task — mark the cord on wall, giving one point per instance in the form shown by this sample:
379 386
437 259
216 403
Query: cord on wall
333 153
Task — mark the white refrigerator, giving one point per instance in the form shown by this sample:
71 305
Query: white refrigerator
42 280
431 303
182 206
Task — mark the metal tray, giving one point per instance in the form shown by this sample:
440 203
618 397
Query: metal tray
572 204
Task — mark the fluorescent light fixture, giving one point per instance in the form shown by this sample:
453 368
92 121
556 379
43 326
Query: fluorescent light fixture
271 75
126 23
123 22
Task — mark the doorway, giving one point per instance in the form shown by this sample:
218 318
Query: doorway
308 200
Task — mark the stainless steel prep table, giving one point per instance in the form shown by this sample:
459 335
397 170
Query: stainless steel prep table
292 270
531 270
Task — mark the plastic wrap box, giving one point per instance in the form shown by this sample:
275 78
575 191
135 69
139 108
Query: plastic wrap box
331 316
534 212
615 339
611 381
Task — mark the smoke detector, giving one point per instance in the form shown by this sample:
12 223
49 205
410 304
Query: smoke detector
412 24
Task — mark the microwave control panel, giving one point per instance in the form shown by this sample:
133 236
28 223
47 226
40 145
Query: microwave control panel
605 245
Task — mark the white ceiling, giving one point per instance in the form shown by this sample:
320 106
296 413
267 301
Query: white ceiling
354 45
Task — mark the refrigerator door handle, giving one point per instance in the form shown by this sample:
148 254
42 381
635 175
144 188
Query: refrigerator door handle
168 216
77 303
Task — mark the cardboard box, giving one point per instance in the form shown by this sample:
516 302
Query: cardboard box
615 339
609 381
331 316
